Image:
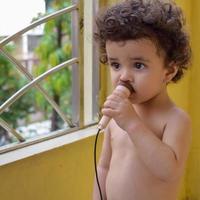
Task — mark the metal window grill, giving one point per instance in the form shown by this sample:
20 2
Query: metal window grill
35 82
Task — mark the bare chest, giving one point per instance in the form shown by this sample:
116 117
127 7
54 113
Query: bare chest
120 139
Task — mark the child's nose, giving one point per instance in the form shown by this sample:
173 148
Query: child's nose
126 76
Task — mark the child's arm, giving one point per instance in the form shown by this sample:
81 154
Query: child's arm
165 158
103 166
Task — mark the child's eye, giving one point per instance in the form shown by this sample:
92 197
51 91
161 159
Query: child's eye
139 65
115 65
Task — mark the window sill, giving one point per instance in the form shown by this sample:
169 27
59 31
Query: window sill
47 145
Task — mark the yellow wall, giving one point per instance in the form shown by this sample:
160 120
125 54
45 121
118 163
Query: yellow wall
65 173
193 172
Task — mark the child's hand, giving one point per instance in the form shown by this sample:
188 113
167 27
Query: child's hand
119 107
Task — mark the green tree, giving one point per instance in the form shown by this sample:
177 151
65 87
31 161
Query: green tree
55 48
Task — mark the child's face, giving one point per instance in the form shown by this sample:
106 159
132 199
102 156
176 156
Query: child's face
138 62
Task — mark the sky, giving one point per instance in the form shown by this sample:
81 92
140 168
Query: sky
16 14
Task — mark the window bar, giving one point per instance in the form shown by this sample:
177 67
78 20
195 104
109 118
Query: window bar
77 70
5 125
20 92
22 69
95 75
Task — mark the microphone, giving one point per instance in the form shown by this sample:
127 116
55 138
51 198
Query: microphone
124 86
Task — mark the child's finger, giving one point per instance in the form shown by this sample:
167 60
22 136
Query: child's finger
114 97
109 112
110 104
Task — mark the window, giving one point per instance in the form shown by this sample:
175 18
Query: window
49 76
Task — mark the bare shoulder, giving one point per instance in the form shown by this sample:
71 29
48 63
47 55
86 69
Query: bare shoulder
177 133
179 117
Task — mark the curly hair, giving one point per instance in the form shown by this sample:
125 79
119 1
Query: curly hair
160 21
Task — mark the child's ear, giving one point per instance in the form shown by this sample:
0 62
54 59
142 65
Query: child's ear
171 72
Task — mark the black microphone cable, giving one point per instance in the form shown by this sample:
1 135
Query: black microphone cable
95 163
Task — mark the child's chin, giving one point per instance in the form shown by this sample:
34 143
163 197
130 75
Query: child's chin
134 100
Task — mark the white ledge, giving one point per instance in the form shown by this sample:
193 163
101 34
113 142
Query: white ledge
47 145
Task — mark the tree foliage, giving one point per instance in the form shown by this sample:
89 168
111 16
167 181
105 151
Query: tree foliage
55 48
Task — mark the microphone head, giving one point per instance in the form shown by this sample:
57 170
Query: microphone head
127 85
